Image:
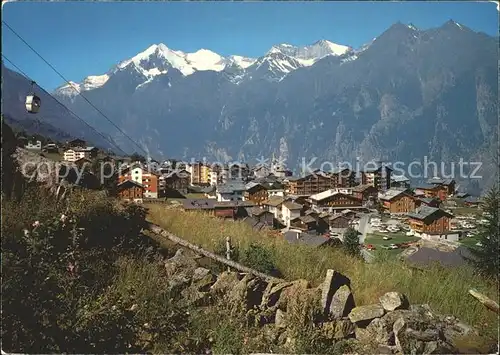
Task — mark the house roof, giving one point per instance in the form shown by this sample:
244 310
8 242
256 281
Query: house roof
425 212
399 178
307 219
222 204
274 201
85 149
426 186
292 205
338 215
462 195
440 181
326 194
391 194
129 182
230 187
294 237
256 211
362 188
254 223
426 256
427 200
198 204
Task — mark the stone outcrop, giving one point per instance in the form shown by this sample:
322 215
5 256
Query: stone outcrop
391 326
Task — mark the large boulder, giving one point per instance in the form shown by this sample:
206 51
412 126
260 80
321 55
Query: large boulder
225 283
341 303
330 286
393 300
362 315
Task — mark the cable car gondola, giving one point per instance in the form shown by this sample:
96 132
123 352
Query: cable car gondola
32 101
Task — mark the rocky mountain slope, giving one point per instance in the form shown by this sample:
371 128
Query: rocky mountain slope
407 95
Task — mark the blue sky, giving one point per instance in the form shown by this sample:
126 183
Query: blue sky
88 38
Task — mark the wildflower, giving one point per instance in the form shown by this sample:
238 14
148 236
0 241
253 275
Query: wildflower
133 308
63 217
26 233
113 308
36 224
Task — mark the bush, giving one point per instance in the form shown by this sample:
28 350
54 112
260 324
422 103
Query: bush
351 242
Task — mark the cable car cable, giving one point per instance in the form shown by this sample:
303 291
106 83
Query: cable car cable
60 103
67 81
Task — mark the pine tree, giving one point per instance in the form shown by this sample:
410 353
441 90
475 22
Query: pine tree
485 255
351 241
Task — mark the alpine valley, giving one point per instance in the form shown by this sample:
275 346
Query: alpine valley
407 94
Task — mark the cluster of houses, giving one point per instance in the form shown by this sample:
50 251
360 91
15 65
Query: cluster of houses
316 204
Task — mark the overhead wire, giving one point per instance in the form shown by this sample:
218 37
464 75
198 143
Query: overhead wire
64 106
78 91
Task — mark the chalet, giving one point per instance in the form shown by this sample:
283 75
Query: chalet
261 215
231 209
448 184
339 221
147 178
305 223
72 155
77 143
427 201
429 221
255 192
432 191
378 176
308 185
130 190
400 181
230 191
175 180
255 224
332 200
289 211
398 201
365 193
273 205
343 177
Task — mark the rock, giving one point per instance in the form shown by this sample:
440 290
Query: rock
182 262
342 303
295 288
273 292
333 281
393 300
225 283
280 320
419 336
362 315
376 332
177 283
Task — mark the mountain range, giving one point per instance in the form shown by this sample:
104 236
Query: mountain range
406 95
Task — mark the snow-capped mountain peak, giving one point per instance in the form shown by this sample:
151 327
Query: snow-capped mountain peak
310 54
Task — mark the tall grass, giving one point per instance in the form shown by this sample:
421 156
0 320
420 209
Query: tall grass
444 289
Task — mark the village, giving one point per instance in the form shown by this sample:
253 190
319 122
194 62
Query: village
315 209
